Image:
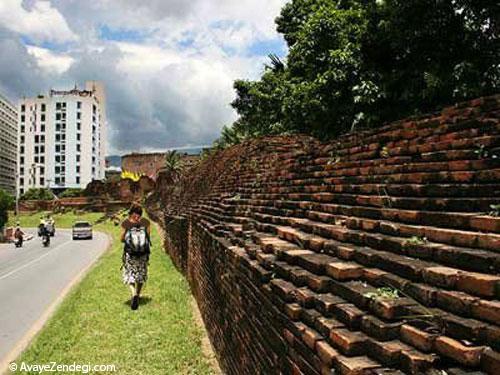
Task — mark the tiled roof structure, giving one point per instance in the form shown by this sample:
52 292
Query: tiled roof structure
378 253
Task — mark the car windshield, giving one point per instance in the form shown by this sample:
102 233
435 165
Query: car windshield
81 225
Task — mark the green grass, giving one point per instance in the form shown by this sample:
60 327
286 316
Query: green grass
94 324
65 220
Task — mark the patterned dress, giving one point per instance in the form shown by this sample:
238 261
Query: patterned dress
135 269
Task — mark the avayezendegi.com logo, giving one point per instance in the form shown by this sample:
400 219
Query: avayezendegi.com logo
82 368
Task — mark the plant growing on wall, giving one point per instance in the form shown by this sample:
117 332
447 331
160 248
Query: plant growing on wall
173 166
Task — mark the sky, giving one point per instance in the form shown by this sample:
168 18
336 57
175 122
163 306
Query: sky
168 65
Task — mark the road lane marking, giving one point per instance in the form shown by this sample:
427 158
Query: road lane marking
33 261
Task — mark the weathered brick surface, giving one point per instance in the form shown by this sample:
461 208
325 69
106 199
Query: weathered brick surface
287 242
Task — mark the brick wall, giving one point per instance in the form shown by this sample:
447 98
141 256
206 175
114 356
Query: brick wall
150 164
374 254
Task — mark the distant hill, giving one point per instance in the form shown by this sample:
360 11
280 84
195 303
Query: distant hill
114 161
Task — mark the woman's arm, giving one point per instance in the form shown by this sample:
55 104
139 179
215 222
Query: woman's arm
124 231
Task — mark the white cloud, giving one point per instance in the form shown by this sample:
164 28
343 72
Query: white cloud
169 88
41 22
50 61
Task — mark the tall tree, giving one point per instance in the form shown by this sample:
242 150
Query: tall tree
360 63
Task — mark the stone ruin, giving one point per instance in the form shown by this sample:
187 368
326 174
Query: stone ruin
375 254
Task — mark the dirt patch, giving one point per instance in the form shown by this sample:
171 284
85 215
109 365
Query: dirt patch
206 346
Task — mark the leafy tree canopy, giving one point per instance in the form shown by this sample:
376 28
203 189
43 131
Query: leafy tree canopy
361 63
38 194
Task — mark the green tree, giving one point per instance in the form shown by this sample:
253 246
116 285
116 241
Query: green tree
6 202
38 194
72 192
361 63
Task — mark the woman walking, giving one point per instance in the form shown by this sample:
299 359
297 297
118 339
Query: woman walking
136 238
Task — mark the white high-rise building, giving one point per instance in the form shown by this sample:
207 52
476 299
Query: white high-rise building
8 146
62 138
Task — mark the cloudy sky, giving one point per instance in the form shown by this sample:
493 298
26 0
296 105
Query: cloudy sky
168 65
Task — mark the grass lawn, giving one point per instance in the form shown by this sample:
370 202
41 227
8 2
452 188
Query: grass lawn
95 324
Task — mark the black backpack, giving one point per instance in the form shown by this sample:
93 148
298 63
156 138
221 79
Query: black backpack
137 241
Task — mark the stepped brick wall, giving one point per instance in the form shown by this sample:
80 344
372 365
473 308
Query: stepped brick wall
374 254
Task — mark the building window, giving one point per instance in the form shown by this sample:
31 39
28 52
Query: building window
42 128
42 117
42 149
57 169
21 170
22 128
37 159
21 181
58 116
78 116
23 108
42 159
78 136
58 137
37 139
21 150
42 181
23 118
77 179
43 108
58 158
58 181
37 149
21 160
79 105
58 148
58 105
78 148
77 169
78 126
22 139
77 158
58 127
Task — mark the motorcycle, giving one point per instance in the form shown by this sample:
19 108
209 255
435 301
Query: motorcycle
18 242
46 239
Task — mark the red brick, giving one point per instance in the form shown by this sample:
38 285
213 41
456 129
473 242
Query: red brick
478 284
490 361
344 270
293 311
465 355
326 353
487 310
417 338
355 365
310 337
441 276
349 343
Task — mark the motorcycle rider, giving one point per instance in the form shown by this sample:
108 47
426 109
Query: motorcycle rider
44 233
18 236
41 226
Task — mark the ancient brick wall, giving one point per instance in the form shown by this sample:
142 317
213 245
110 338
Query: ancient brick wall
378 253
150 163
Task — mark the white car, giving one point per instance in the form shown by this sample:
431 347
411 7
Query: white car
82 229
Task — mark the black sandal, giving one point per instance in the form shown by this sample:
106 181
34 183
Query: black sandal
135 303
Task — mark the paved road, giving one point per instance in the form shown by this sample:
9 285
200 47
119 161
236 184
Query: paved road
33 278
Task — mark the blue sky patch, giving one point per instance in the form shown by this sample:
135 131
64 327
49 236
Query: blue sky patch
122 35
